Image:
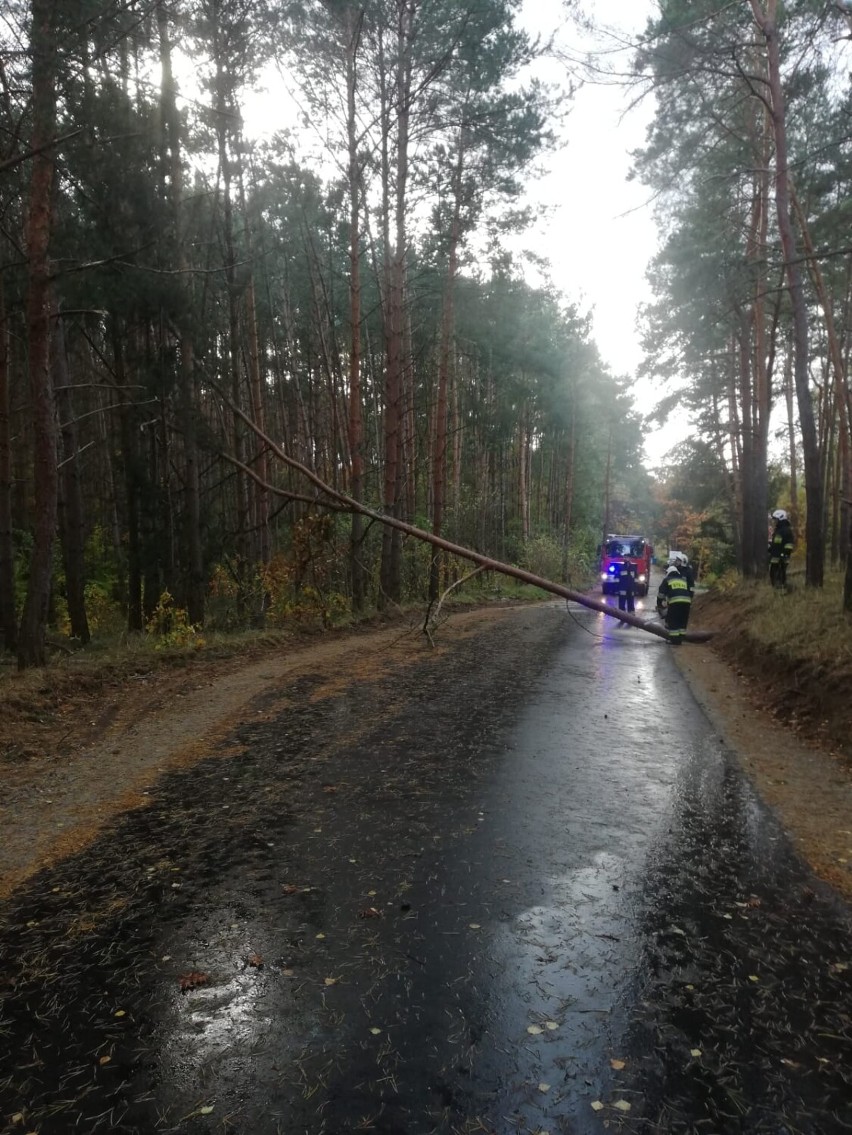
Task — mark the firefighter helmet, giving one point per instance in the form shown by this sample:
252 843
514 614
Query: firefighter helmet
779 514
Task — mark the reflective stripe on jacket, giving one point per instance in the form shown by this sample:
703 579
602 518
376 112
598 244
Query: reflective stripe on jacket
675 588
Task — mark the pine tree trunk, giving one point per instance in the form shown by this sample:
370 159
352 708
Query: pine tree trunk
355 422
439 455
192 553
766 19
8 622
71 518
33 628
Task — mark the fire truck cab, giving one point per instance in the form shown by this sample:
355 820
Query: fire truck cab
617 550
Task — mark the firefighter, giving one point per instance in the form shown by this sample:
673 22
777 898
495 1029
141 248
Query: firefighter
626 577
780 548
687 571
674 601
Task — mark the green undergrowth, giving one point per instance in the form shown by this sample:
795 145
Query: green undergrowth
113 658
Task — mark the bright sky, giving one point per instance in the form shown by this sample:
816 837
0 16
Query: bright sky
600 235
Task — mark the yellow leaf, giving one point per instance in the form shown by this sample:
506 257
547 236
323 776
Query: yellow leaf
206 1110
320 935
621 1105
332 980
120 1013
534 1030
753 977
105 1060
695 1052
474 926
616 1064
375 1031
18 1117
544 1087
551 1025
597 1105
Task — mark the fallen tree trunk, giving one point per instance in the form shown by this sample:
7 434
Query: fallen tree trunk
340 501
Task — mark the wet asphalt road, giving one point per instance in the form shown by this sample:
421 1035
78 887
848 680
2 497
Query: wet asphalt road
520 886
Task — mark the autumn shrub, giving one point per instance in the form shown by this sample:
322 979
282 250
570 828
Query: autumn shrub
104 614
170 626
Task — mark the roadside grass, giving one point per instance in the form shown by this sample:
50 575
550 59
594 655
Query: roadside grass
802 626
111 658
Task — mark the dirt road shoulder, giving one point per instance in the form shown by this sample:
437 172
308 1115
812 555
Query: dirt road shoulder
808 787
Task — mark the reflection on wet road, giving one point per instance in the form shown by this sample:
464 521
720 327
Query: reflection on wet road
520 887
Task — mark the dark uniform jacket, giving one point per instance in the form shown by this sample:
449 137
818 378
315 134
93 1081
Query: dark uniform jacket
626 576
674 589
781 542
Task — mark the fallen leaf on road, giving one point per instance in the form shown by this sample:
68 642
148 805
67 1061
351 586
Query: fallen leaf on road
544 1087
695 1052
534 1030
621 1105
551 1025
597 1105
192 980
616 1064
254 960
331 980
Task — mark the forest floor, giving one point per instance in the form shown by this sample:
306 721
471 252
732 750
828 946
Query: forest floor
82 743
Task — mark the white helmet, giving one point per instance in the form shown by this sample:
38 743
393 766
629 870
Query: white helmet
674 560
779 514
682 559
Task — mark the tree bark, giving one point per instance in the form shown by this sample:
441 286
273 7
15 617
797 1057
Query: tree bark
8 620
766 20
194 576
355 423
439 455
71 519
31 637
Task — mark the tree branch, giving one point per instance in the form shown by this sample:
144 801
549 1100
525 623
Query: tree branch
349 503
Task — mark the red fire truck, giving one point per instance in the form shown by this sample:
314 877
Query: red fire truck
617 550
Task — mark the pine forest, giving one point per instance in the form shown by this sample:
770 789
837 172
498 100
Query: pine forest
200 329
